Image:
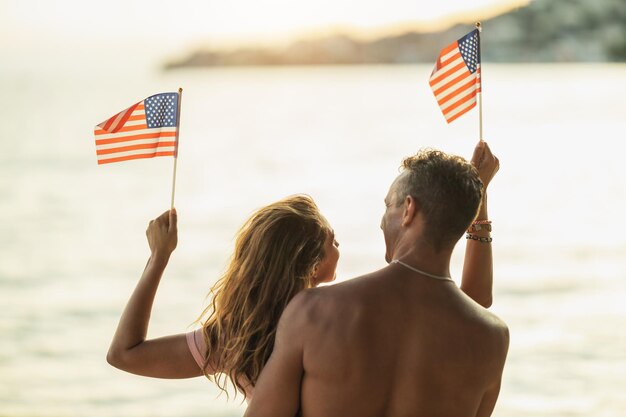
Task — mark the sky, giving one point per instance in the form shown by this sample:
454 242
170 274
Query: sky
24 22
41 35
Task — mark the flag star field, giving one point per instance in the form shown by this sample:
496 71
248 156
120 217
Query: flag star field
161 110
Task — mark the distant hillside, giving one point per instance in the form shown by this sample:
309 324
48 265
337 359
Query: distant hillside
559 31
544 31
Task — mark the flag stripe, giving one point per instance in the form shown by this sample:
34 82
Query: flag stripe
138 122
121 143
446 71
150 151
456 95
116 122
448 95
108 125
111 121
452 56
451 81
142 126
450 109
445 51
130 157
461 110
134 147
436 80
441 66
122 120
136 112
136 135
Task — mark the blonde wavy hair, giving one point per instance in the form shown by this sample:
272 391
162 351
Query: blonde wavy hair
276 253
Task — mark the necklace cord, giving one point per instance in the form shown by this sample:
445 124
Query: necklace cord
419 271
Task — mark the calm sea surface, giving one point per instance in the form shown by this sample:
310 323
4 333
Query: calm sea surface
72 242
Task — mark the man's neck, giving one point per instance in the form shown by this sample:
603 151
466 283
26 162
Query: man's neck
420 254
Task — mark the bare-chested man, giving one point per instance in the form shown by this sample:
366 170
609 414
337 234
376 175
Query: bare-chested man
404 340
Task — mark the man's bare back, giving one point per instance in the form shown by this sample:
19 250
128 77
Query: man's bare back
395 343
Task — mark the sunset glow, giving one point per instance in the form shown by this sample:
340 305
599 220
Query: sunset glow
233 22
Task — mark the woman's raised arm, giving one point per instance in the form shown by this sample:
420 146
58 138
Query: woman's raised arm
164 357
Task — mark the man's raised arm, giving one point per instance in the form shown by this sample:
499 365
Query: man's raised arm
277 392
477 281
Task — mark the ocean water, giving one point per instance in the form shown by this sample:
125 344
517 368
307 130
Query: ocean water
72 242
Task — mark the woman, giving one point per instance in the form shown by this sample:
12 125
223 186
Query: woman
282 249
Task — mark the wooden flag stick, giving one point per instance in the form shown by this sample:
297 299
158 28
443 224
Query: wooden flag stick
480 94
180 97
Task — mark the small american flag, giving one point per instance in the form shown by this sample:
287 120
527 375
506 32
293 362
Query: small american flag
144 130
455 80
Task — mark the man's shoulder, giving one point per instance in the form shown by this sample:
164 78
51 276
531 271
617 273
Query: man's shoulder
350 289
501 328
493 321
499 336
314 304
497 328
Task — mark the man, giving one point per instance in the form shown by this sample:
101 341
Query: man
404 340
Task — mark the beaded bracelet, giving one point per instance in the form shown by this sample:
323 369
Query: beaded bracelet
475 227
479 238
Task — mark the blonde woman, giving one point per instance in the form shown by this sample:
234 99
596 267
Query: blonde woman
282 249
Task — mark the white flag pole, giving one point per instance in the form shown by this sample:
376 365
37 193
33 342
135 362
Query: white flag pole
480 94
180 97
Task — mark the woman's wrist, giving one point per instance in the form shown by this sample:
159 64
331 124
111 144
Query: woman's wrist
159 259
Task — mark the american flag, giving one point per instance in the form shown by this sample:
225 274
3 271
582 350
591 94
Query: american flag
455 80
144 130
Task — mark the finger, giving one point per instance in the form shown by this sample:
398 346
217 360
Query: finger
164 216
481 157
480 147
164 219
478 153
173 220
487 150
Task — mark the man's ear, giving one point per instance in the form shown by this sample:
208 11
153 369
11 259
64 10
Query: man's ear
410 210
